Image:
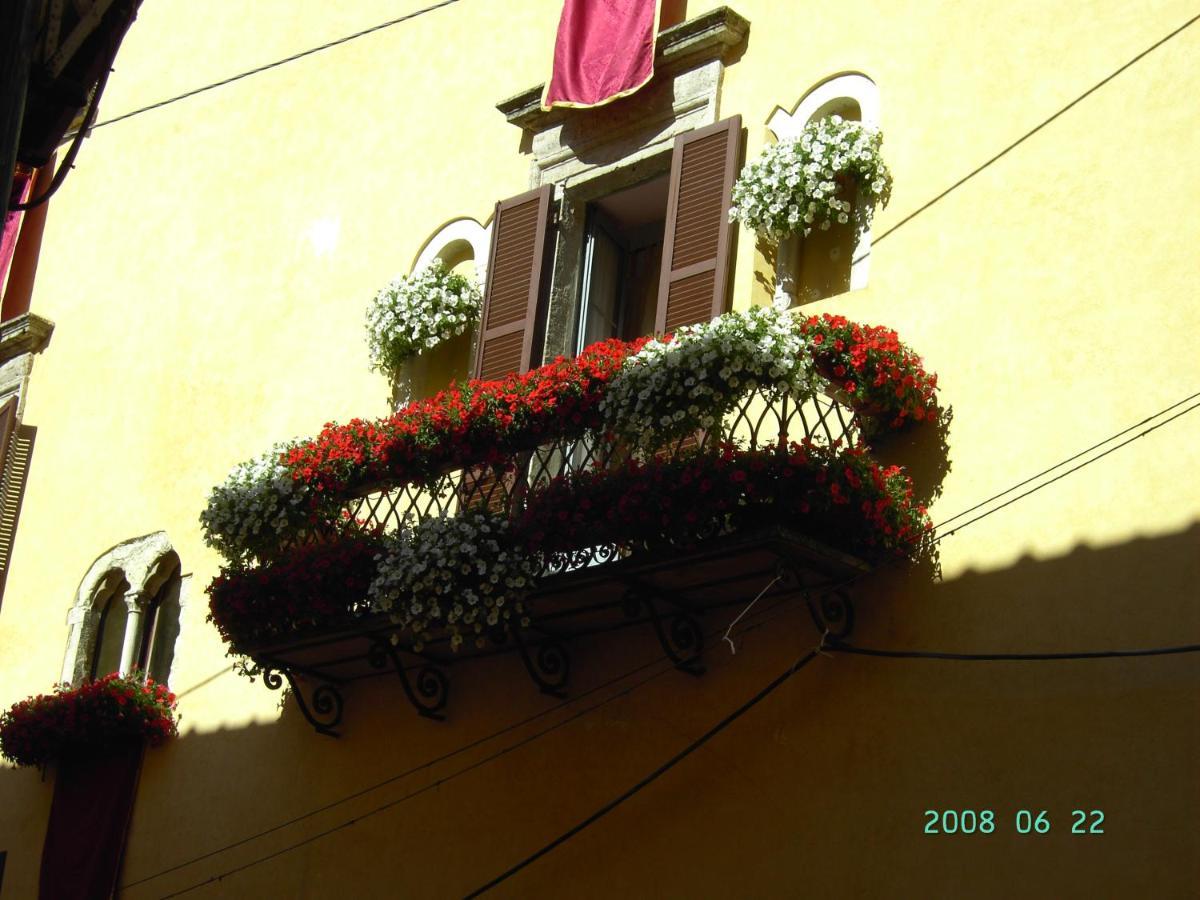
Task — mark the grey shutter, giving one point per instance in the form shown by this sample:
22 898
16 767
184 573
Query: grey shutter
699 239
516 272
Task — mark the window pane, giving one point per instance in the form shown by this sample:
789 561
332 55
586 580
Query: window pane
162 628
110 637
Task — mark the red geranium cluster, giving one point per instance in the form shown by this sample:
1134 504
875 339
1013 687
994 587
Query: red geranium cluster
473 422
311 586
838 495
113 708
881 376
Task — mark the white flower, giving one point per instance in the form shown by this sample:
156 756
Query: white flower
771 197
417 313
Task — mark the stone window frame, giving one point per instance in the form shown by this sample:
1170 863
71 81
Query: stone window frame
589 154
144 564
819 100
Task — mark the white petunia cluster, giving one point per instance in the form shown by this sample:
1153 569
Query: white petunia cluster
669 389
255 508
460 572
418 312
809 182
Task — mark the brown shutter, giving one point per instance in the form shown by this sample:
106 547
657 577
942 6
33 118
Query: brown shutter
516 272
16 445
698 245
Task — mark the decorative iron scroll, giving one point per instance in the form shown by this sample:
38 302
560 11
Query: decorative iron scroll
427 692
548 664
324 710
682 638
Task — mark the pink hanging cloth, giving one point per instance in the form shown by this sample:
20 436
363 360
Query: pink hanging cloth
604 51
22 182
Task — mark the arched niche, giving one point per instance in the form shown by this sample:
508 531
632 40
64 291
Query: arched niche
825 263
462 245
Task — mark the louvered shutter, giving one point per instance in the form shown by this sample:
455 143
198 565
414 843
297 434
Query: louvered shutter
14 464
516 271
698 245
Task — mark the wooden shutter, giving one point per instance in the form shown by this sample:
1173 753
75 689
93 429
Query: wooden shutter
16 444
516 272
698 245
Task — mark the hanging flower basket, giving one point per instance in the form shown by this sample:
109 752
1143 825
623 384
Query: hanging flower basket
96 714
811 181
416 313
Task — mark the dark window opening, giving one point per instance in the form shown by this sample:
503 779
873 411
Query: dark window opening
622 258
110 634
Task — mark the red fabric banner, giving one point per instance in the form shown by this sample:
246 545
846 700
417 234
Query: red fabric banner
22 181
604 50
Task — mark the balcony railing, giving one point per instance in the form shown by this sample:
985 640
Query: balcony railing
759 421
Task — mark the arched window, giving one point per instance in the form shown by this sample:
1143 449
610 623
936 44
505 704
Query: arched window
830 262
126 612
462 245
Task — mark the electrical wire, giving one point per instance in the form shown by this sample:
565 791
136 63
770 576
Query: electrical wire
273 65
764 617
1069 459
679 757
1063 475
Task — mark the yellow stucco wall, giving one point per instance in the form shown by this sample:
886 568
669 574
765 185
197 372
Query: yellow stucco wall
207 266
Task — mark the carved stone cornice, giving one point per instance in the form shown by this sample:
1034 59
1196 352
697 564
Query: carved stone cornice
26 333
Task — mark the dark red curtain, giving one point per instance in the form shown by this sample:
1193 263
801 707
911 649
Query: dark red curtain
89 820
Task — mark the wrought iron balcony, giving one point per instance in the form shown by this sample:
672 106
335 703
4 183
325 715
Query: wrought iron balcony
771 492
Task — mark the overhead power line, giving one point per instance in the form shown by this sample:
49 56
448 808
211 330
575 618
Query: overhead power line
274 65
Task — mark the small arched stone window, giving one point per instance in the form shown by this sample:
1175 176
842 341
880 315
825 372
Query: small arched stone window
826 262
462 245
125 617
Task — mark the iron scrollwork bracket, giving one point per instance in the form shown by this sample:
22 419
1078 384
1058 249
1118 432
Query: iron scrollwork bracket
678 633
323 710
427 692
548 664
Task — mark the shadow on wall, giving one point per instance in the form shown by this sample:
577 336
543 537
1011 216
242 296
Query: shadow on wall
869 743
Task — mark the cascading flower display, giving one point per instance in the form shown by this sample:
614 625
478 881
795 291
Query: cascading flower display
472 422
258 506
417 312
310 586
98 713
648 392
810 181
836 494
672 387
879 374
463 573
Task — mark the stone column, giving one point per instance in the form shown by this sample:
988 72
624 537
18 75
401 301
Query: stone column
136 602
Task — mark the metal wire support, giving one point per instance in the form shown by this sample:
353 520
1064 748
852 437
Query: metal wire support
427 692
681 637
548 665
325 712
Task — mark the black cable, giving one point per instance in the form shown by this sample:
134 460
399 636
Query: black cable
276 64
439 782
763 617
1027 135
653 776
1063 475
1069 459
68 162
837 646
